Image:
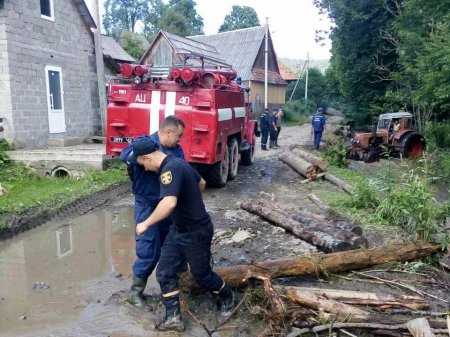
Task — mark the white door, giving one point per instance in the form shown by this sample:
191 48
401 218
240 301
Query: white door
55 99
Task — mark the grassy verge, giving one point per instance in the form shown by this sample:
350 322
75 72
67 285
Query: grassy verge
26 190
297 120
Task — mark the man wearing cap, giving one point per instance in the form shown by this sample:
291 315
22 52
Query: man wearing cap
317 127
145 186
189 238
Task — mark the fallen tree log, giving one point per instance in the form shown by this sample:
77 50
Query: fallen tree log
322 263
299 165
332 310
323 235
338 182
309 157
313 235
371 299
305 217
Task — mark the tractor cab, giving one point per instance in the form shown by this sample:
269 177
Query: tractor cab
393 131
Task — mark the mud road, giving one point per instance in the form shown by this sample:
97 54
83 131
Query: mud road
70 276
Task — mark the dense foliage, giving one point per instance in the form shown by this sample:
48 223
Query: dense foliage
389 55
239 18
178 17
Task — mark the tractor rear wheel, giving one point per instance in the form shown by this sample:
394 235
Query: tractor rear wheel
216 175
412 145
233 154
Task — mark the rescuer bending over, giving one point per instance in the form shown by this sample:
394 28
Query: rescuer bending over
146 196
189 238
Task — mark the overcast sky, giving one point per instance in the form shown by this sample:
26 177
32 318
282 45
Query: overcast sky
292 23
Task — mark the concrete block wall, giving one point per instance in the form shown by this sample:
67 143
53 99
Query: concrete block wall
34 43
5 87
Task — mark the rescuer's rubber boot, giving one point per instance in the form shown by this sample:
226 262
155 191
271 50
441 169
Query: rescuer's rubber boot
271 144
226 301
264 148
136 290
172 321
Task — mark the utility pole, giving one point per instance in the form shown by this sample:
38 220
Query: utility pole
266 61
100 67
306 81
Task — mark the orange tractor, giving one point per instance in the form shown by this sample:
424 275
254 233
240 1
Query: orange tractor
393 134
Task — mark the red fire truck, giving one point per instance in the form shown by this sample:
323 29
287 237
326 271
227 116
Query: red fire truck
212 105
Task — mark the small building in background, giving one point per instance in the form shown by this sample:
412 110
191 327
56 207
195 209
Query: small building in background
286 73
113 56
242 49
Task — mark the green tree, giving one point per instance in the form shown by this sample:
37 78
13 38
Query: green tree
362 56
174 22
422 79
186 8
123 15
132 45
239 18
316 88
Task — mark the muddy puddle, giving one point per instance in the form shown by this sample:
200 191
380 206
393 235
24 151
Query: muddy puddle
61 273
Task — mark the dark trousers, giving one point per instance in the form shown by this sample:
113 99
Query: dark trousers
193 247
317 138
273 134
264 136
148 246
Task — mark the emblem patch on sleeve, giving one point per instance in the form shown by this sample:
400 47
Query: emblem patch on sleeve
166 178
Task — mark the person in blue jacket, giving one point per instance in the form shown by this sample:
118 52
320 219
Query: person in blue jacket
145 187
317 127
264 124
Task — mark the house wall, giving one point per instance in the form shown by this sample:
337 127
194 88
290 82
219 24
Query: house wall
160 54
275 95
5 77
34 43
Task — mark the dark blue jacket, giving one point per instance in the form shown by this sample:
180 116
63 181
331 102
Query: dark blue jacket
318 123
264 122
146 183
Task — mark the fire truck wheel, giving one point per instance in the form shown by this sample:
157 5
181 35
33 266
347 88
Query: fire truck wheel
248 156
233 154
217 174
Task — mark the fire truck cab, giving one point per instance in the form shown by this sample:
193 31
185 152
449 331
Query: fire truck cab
219 130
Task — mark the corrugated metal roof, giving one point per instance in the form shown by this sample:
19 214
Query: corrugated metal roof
112 48
184 45
238 47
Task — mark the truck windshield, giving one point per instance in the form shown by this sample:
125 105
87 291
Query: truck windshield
383 123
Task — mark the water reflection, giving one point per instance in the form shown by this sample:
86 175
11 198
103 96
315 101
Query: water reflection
65 256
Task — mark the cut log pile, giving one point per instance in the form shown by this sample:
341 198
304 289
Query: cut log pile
328 236
311 167
305 311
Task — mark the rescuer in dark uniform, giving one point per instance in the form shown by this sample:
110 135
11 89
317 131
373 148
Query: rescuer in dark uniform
190 236
273 128
264 124
317 127
146 196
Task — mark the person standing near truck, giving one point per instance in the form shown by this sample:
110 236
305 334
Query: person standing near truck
317 127
264 124
145 187
189 238
273 128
